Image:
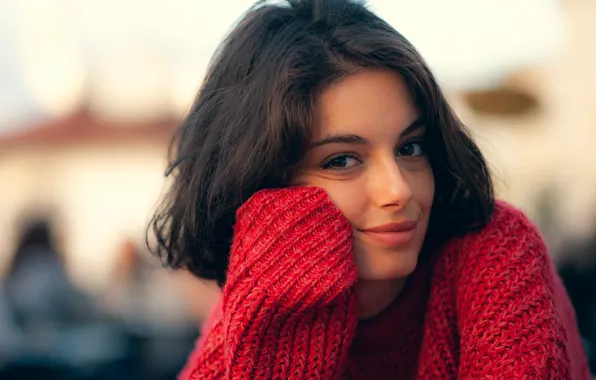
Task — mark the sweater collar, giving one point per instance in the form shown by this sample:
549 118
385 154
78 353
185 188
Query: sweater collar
401 323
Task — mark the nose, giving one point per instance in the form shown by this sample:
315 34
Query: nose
389 187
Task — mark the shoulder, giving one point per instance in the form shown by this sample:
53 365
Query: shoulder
509 238
507 224
210 340
508 219
505 252
508 299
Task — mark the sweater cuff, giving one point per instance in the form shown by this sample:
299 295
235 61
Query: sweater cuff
294 245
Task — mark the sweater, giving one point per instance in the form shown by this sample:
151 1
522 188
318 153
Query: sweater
487 305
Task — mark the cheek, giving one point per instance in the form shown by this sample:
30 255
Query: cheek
346 195
423 185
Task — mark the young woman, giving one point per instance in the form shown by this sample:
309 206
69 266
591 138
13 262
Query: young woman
325 183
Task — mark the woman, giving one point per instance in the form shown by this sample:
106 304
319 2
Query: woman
325 183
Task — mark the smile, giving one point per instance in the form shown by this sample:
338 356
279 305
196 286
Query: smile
393 234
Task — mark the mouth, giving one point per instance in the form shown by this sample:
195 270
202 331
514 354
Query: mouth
392 235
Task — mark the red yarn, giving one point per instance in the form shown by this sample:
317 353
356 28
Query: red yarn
488 306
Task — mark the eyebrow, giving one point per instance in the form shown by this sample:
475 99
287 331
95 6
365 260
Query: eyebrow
356 139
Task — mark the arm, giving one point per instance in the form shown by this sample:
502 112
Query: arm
288 306
514 317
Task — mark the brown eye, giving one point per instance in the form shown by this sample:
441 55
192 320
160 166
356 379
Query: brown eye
340 162
411 149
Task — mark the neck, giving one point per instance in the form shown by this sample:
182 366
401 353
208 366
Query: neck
374 296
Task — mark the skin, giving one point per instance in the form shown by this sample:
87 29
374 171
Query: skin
368 155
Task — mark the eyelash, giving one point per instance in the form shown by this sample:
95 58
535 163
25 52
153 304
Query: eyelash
326 165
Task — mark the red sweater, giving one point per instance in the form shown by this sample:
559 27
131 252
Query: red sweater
488 305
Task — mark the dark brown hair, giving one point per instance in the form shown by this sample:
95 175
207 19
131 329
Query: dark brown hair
252 117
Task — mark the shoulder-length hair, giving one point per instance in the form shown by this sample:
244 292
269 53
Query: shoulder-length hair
252 119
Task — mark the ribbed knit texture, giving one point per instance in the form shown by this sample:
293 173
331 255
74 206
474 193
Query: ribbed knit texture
488 305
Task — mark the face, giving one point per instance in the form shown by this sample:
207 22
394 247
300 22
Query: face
369 155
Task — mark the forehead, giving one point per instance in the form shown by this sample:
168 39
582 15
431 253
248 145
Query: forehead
369 102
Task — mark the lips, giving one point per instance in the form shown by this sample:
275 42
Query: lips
393 227
392 234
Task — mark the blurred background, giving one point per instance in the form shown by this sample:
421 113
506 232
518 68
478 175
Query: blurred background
90 92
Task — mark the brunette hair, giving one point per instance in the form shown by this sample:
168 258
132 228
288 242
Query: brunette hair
251 122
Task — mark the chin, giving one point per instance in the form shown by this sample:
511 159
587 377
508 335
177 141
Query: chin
381 266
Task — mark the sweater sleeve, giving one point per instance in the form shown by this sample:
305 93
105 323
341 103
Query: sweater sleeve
515 319
288 305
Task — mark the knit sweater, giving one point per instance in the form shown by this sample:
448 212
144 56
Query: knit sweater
487 305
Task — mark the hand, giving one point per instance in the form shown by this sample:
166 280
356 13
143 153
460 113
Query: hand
292 240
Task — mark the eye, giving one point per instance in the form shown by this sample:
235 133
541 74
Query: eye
411 149
340 162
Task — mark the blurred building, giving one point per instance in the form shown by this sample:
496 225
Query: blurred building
538 126
102 179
